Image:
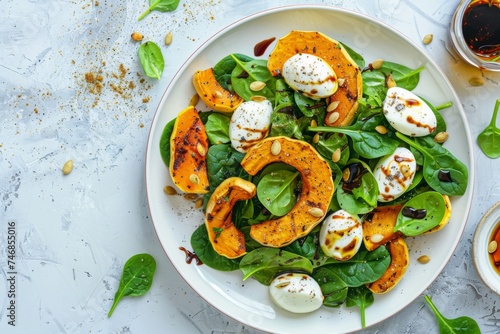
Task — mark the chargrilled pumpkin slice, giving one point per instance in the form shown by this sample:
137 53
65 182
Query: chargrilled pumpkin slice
348 73
400 259
226 239
188 148
378 226
315 197
213 94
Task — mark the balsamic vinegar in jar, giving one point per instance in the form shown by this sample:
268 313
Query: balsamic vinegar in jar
481 28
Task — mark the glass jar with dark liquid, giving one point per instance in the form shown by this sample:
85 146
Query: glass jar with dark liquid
475 32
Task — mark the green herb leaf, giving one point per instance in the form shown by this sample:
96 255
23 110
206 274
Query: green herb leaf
137 278
361 297
276 191
165 142
151 59
489 139
332 286
224 68
161 6
217 128
460 325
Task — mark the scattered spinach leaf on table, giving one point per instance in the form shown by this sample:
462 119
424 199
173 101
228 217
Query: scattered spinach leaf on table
161 6
151 59
136 279
462 325
489 139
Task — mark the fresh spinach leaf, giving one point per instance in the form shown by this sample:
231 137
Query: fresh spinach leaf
442 171
314 109
326 147
361 297
224 68
276 191
217 128
161 6
247 72
420 214
151 59
223 162
364 267
263 264
307 246
440 122
203 248
358 59
165 142
489 139
136 279
332 286
283 119
460 325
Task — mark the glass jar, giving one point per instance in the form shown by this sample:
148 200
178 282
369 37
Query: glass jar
475 33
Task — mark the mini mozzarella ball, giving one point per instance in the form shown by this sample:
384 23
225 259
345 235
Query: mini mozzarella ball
408 113
394 174
250 124
310 75
341 235
296 292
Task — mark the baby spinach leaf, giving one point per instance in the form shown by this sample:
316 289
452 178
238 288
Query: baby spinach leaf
358 59
245 73
326 147
460 325
264 264
276 191
362 268
306 246
161 6
283 119
223 162
421 213
136 279
440 122
310 108
165 142
361 297
217 128
442 171
489 139
203 248
332 286
224 68
151 59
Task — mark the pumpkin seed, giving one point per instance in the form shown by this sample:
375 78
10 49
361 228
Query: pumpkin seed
381 129
332 106
68 167
257 85
441 137
136 36
198 203
316 138
341 81
258 98
193 178
333 117
424 259
378 63
492 247
376 238
476 81
389 81
168 39
190 196
193 101
316 212
217 94
201 149
428 39
336 155
314 123
275 148
346 174
169 190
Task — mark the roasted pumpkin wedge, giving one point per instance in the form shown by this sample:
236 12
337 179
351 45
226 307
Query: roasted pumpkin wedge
400 259
213 94
446 217
188 148
378 226
348 73
314 200
226 239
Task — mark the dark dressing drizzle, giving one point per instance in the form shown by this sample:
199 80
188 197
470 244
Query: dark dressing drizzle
190 256
410 212
260 48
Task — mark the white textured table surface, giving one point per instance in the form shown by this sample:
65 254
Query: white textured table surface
75 232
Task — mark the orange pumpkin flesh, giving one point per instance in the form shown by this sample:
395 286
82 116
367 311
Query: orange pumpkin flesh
213 94
400 259
381 222
314 200
226 239
330 50
188 147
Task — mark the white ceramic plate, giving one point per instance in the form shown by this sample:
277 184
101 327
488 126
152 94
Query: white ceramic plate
175 219
484 231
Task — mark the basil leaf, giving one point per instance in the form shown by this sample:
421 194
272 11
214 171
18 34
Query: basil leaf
136 279
161 6
151 59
